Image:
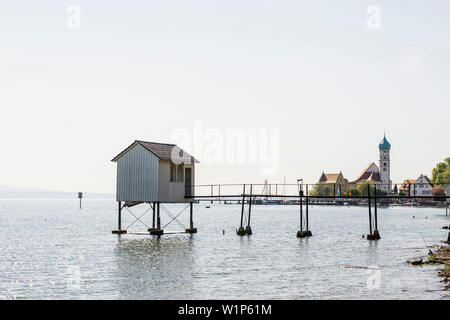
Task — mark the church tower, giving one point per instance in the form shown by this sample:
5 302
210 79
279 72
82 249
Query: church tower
385 165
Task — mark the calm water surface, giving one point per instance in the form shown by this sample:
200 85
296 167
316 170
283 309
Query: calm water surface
52 250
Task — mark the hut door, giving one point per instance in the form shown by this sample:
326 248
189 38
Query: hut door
188 182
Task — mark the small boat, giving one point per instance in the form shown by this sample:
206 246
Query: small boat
207 207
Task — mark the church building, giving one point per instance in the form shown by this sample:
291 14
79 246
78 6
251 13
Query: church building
380 175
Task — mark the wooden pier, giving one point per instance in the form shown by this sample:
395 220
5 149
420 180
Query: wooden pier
299 194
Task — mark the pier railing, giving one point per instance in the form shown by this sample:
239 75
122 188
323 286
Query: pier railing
438 192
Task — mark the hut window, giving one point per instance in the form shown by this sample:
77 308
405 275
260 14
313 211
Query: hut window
172 172
180 173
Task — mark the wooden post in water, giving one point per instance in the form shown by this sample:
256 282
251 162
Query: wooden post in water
303 233
241 230
191 228
301 209
212 193
80 196
375 235
307 212
157 232
370 210
153 205
248 229
154 216
158 219
119 221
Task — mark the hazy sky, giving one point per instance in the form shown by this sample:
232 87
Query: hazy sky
72 99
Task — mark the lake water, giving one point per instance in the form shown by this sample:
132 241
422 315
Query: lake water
50 249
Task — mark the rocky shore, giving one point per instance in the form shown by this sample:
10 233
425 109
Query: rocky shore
439 255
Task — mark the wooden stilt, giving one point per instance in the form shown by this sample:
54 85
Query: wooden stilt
158 219
157 232
376 234
373 235
248 229
370 210
304 233
241 231
307 210
191 228
119 221
153 217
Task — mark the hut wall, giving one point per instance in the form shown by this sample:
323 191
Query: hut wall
137 176
172 191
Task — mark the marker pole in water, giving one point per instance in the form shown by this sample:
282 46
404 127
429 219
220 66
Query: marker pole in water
80 196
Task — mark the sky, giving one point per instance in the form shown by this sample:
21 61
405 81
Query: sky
321 79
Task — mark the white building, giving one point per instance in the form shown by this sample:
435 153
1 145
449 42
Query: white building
421 186
385 165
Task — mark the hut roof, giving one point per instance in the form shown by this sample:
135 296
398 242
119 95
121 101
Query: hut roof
164 151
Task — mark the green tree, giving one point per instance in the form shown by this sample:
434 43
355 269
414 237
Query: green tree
363 189
323 189
441 173
395 189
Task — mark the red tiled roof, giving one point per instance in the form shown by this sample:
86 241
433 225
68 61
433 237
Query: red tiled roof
375 176
164 151
365 175
329 177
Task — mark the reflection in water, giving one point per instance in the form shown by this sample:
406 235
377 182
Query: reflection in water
152 267
87 262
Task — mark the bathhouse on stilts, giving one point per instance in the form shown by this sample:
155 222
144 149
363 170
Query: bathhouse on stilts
154 173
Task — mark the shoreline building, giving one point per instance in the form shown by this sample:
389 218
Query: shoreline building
380 175
336 179
421 186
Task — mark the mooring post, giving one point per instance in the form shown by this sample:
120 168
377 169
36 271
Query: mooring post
301 209
191 228
303 233
376 211
370 209
212 191
248 229
307 211
375 235
241 230
119 221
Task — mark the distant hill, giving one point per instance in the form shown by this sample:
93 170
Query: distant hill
7 192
